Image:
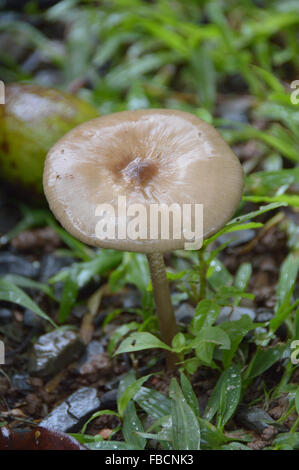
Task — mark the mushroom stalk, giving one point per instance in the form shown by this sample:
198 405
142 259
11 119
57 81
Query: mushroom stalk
164 309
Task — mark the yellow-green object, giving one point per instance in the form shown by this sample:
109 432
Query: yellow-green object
31 121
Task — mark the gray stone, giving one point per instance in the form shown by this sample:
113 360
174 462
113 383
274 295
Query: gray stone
71 414
236 238
51 265
32 320
20 382
235 109
256 419
109 400
132 299
5 316
93 349
13 264
184 313
264 315
235 313
53 351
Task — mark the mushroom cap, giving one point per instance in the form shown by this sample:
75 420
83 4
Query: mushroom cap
151 157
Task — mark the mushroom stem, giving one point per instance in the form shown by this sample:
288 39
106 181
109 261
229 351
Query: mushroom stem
166 318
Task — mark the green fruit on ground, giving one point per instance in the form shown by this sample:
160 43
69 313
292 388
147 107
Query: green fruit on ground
31 121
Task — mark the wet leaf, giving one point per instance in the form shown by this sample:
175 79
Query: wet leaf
297 401
132 270
238 222
131 427
140 341
183 421
96 415
206 313
262 360
189 394
129 393
110 445
211 334
225 397
236 331
262 182
286 441
154 403
288 275
242 278
11 293
27 283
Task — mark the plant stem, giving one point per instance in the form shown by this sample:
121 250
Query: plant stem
164 309
202 274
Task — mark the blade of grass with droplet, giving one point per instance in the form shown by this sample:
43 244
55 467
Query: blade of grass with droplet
132 426
226 396
11 293
185 425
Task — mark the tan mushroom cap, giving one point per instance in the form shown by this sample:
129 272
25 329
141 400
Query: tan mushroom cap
150 157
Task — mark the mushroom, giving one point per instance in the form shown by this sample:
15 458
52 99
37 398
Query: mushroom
143 159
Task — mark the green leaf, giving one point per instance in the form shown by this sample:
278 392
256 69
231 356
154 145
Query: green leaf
119 333
22 281
129 394
252 215
218 275
284 311
236 331
270 79
139 342
11 293
78 248
226 396
68 298
125 382
178 342
286 441
211 437
243 276
132 270
204 352
154 403
236 223
289 199
131 426
297 401
288 275
206 313
110 445
191 365
189 394
263 360
96 415
242 279
203 76
101 264
183 421
235 446
261 183
296 324
211 334
80 274
32 218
